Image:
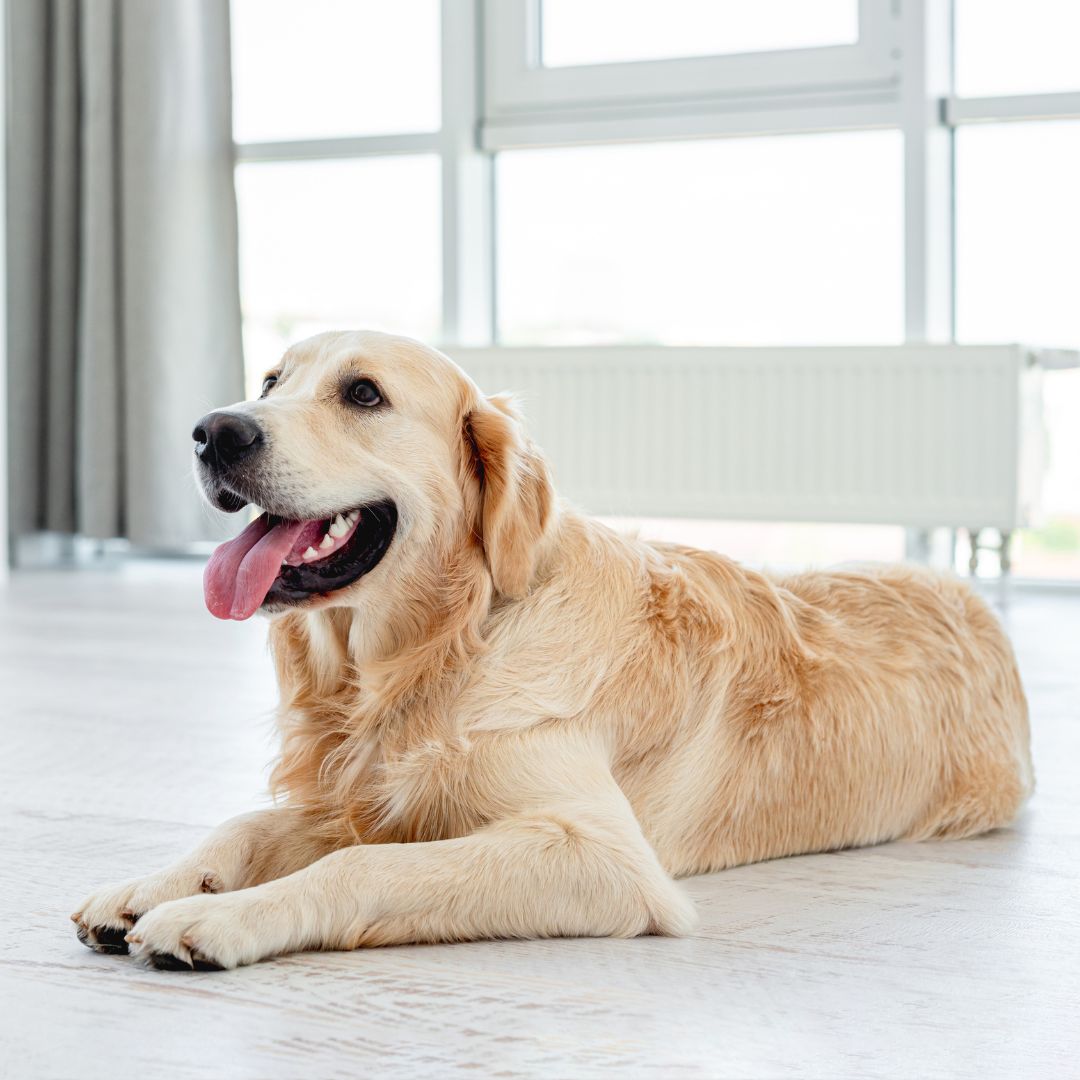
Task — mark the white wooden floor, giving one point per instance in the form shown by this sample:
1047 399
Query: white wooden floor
131 721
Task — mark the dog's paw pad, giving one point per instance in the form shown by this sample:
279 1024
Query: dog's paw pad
110 939
102 939
163 961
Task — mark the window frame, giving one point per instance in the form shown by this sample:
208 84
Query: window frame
522 95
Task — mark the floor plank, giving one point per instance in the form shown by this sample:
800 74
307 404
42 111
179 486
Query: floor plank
132 721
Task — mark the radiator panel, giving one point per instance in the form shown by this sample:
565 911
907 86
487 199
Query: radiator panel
910 435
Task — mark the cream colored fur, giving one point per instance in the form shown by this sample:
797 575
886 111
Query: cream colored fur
522 724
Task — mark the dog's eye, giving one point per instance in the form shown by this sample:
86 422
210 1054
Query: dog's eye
268 384
365 392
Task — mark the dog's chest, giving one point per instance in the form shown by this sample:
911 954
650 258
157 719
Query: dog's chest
419 792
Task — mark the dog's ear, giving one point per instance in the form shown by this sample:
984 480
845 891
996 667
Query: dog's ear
516 496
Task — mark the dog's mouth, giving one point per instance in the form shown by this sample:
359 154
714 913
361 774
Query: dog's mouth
277 562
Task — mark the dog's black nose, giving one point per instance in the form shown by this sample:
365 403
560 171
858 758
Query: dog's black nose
223 439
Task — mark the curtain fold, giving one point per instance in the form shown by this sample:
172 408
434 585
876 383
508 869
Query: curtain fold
124 312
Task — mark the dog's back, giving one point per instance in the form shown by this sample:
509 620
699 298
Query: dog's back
826 710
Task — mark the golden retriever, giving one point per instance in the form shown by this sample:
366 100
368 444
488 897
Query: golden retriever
501 719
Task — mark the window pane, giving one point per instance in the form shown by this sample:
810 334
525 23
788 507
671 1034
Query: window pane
1017 46
1018 279
325 68
1018 232
337 245
789 240
610 31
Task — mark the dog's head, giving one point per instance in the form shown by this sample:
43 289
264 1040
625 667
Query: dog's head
375 460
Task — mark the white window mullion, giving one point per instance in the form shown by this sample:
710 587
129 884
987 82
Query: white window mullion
467 197
929 286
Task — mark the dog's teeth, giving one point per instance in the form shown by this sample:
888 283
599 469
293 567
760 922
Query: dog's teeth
339 528
310 554
352 516
326 541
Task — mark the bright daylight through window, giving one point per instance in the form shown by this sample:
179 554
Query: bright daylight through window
611 31
327 68
792 240
353 243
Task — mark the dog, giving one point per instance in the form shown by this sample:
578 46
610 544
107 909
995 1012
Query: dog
501 719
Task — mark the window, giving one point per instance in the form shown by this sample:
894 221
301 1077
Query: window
614 31
336 114
337 244
1017 46
571 70
1018 233
789 240
327 68
1018 279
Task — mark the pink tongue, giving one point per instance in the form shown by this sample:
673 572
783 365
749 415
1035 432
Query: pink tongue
241 571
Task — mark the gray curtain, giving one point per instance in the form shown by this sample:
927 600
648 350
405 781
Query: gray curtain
124 321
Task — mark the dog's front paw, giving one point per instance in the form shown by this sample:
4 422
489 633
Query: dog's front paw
106 917
199 933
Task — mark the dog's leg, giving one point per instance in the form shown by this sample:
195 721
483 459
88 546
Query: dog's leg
242 852
572 866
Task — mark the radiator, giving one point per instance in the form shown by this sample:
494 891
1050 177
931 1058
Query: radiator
920 436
